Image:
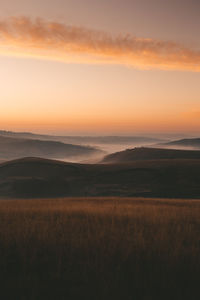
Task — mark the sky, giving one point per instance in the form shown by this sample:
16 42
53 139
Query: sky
100 67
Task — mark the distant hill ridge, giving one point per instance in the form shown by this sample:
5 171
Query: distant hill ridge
13 147
144 153
84 139
190 143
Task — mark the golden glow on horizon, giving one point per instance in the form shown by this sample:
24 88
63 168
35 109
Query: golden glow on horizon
59 99
101 124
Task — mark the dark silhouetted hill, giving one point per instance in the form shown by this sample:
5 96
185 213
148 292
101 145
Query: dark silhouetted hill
143 153
34 177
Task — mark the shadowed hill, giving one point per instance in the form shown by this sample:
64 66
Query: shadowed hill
11 148
34 177
149 154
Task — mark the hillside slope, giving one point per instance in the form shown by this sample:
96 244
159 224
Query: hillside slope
184 143
149 154
33 177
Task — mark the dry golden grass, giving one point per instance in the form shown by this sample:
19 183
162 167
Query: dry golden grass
99 248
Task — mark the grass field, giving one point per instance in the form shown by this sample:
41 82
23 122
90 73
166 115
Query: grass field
99 248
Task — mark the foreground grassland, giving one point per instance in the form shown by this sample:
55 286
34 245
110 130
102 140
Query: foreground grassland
99 248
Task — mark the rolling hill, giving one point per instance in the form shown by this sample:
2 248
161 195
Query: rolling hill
193 143
34 177
143 153
11 148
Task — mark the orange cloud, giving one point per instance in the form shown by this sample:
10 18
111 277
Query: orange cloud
21 36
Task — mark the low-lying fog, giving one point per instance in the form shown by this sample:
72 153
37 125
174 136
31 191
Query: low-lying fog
107 149
112 148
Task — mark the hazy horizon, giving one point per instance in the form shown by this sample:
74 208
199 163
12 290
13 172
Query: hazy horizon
165 134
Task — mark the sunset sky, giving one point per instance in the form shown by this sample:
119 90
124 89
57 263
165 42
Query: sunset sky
100 67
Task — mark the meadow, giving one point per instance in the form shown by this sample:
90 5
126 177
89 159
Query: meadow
99 248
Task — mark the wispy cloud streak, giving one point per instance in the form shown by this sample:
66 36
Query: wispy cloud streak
39 38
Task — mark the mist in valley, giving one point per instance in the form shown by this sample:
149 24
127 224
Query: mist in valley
85 149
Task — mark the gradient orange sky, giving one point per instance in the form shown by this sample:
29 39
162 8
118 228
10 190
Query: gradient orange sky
100 67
